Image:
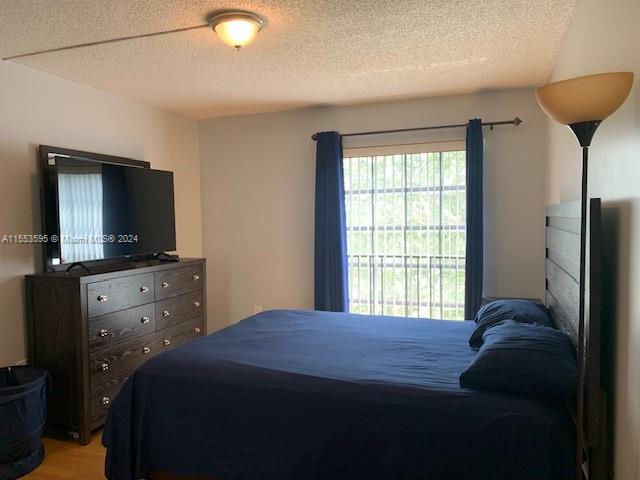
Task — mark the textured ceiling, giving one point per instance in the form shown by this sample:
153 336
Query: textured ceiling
312 52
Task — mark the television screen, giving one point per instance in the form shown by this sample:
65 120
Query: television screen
108 210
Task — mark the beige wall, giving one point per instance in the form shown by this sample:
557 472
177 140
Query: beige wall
605 37
258 195
38 108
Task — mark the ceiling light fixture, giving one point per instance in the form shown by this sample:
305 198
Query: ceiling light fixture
236 28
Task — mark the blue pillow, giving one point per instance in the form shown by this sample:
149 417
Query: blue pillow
524 359
521 311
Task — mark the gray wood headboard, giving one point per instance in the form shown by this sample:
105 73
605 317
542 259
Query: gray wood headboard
563 261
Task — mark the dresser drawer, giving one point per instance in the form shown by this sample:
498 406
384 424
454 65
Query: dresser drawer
125 357
170 283
102 396
180 334
120 293
178 309
107 330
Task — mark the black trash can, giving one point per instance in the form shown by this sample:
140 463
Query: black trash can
23 410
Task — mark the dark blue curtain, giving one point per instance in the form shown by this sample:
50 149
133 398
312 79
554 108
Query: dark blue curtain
331 288
473 267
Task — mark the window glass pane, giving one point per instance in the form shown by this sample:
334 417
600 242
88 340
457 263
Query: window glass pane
406 234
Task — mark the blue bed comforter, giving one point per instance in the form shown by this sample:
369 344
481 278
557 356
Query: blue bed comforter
297 395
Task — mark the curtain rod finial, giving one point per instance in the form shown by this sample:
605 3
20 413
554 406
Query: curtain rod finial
314 136
517 121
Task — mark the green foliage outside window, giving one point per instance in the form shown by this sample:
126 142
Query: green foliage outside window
406 234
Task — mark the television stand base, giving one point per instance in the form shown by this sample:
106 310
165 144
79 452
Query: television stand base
166 257
79 265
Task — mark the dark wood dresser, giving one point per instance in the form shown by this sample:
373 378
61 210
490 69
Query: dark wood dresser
90 331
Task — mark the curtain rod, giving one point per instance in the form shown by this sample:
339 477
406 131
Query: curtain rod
516 121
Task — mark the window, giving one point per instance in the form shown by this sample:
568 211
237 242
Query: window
80 227
406 226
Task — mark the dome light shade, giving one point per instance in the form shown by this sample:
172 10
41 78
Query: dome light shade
585 99
237 29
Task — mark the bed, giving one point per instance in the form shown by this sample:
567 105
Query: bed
314 395
302 394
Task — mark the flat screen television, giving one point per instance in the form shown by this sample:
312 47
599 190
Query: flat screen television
95 209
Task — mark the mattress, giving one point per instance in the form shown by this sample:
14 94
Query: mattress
318 395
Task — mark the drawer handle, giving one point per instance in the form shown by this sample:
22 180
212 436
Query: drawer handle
145 319
167 342
196 304
144 289
196 277
196 330
165 284
104 367
106 401
102 298
103 332
146 350
166 313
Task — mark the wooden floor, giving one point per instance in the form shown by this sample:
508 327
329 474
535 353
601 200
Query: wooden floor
68 460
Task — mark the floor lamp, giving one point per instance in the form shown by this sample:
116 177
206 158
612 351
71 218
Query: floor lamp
582 103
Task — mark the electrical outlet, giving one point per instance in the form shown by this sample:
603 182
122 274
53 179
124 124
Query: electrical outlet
257 309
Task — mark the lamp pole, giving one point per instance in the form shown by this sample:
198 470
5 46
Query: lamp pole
584 132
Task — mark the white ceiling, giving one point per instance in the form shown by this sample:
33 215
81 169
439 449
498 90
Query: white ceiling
312 52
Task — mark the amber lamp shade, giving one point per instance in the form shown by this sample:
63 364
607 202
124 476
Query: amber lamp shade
583 102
